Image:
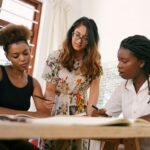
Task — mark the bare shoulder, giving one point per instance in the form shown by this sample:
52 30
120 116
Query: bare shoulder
37 88
36 83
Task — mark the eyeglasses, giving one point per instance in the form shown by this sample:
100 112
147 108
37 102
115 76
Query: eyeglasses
76 36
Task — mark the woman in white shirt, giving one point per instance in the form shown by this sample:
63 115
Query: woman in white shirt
132 97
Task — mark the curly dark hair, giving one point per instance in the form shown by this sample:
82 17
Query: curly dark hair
91 61
12 34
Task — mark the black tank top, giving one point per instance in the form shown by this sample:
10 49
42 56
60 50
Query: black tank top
14 97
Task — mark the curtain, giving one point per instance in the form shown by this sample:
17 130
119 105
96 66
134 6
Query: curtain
59 23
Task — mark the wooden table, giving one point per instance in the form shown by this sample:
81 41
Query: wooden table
16 130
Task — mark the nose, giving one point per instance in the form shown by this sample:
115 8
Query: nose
79 40
120 65
22 58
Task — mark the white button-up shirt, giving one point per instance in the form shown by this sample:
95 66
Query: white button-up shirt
125 100
132 105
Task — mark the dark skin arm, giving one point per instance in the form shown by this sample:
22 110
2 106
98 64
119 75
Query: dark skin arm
146 117
14 112
102 112
99 112
41 109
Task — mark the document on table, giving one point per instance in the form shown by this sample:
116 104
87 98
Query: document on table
84 120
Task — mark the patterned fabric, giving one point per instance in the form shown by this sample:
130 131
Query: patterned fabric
71 97
71 92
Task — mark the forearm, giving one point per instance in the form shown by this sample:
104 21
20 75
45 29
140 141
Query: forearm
99 112
37 114
14 112
50 94
89 107
4 110
93 95
146 117
93 99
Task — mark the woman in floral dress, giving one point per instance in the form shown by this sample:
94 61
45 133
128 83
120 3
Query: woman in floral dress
72 70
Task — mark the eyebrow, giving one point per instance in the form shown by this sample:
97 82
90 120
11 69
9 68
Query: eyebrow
16 53
80 34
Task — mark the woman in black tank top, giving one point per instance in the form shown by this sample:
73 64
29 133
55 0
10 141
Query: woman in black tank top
16 86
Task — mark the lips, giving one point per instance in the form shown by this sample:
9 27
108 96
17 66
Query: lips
121 73
78 45
77 48
24 65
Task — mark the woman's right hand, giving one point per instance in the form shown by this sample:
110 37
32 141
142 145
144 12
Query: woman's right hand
50 95
99 112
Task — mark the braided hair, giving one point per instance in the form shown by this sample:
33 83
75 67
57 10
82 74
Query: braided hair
139 45
12 34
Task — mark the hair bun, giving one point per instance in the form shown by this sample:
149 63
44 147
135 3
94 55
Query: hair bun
13 33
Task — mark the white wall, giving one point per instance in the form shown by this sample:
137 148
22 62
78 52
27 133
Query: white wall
116 20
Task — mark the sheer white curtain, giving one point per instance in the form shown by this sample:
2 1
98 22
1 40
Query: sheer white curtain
59 23
53 28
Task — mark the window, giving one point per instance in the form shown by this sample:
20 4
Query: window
26 12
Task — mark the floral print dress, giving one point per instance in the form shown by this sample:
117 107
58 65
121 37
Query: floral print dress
70 99
71 90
